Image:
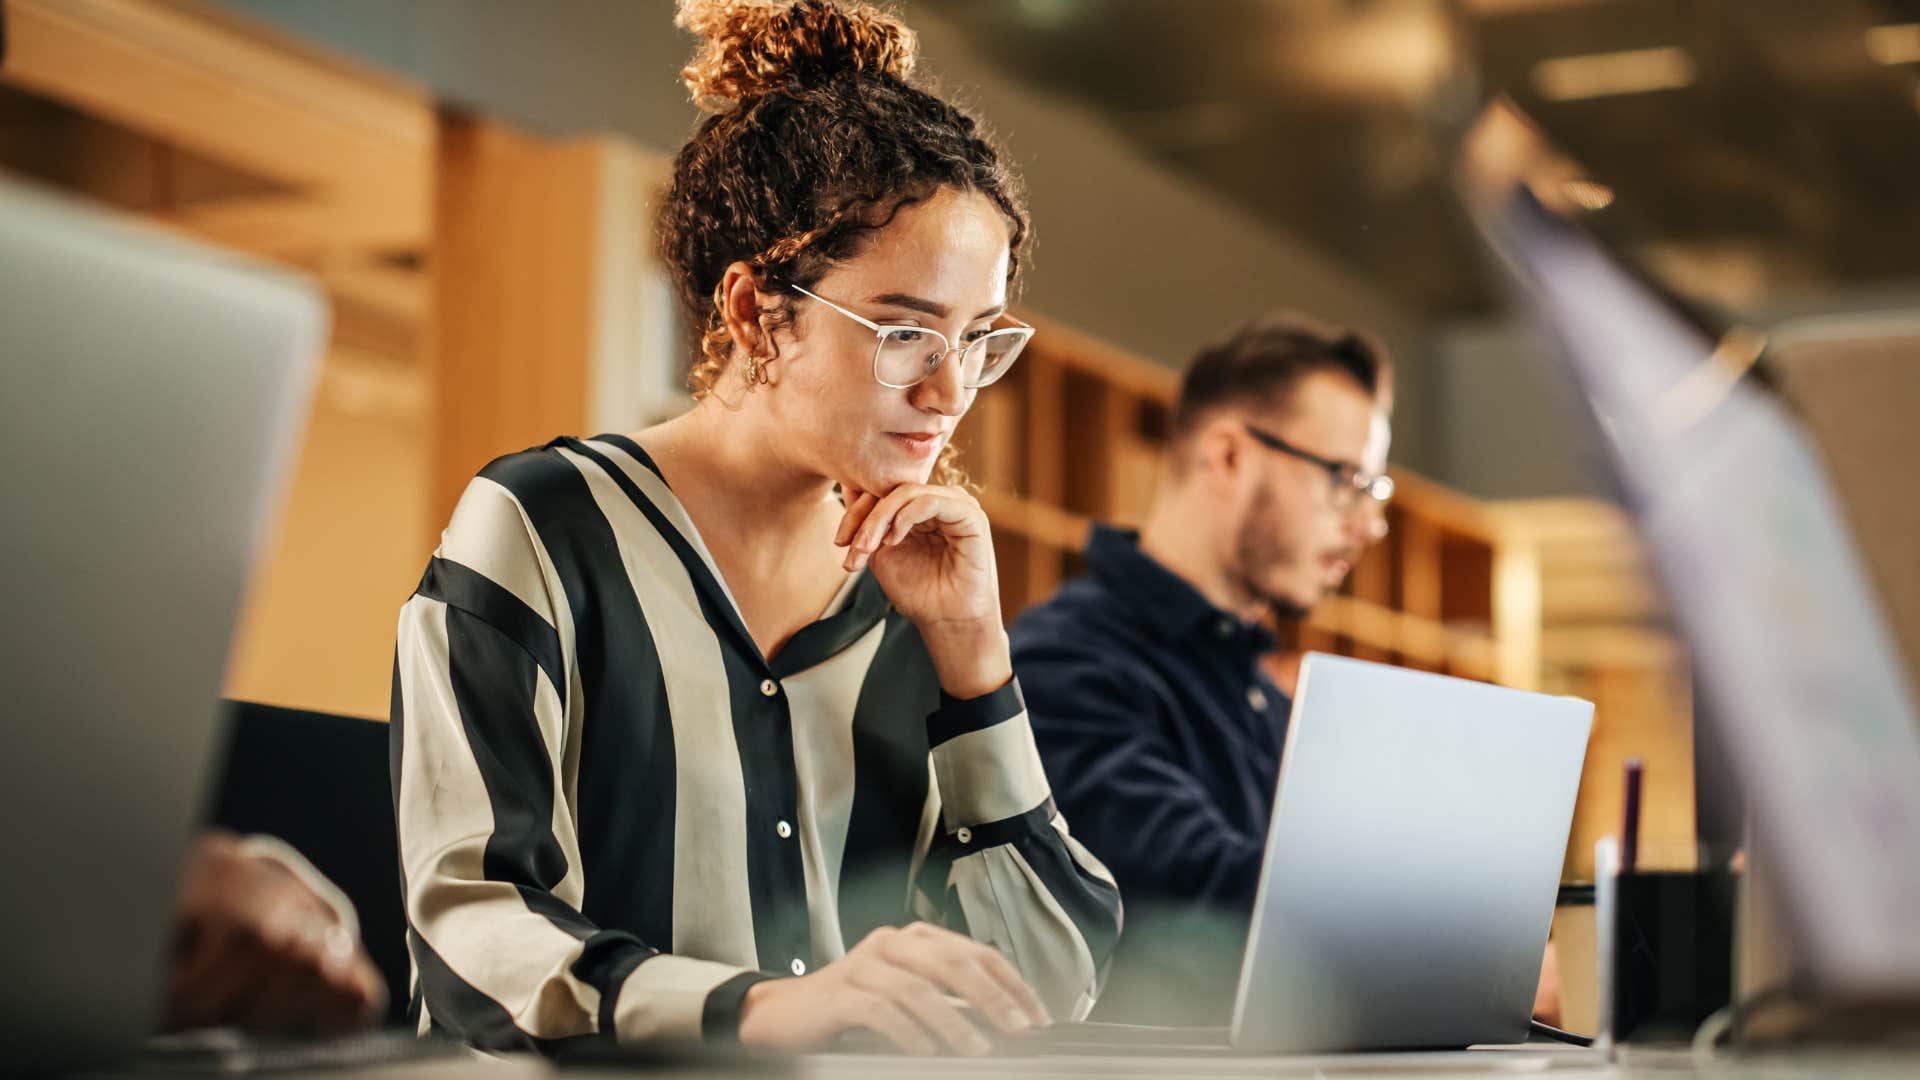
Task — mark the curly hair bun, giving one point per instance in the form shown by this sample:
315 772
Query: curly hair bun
756 46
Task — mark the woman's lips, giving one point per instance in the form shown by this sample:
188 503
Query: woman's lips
916 444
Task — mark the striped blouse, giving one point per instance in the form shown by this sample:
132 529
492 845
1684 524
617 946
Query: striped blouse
615 815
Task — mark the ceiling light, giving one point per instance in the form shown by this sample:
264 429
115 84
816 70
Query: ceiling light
1049 14
1635 71
1895 44
1387 53
1588 195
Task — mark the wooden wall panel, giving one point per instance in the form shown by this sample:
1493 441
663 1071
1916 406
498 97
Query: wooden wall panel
511 336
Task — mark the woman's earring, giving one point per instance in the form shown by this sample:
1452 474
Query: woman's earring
756 371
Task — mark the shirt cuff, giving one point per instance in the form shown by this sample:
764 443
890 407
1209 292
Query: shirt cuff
984 759
670 998
959 716
720 1018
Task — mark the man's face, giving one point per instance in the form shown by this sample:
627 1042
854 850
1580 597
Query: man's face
1296 538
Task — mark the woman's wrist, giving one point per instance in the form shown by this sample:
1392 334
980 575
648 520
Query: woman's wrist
970 659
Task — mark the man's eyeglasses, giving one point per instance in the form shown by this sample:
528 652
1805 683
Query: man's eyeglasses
904 356
1350 482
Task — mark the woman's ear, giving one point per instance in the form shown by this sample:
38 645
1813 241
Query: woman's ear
741 311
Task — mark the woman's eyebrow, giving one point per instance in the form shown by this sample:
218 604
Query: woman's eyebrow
912 303
929 307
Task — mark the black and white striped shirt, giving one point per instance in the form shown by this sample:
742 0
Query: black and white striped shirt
615 815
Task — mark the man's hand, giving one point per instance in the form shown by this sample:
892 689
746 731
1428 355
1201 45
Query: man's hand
255 947
907 984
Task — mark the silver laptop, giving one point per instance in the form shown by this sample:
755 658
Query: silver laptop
152 392
1412 862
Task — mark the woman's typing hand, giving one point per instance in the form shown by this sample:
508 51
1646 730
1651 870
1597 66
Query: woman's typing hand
913 985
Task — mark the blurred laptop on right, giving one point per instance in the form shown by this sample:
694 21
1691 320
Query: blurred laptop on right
1745 517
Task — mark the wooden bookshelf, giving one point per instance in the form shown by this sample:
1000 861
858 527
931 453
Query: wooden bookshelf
1075 434
207 124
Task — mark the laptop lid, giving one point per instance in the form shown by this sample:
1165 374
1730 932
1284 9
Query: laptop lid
1739 517
1418 833
153 390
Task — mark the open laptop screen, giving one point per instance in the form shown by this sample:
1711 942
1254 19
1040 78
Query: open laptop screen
1735 509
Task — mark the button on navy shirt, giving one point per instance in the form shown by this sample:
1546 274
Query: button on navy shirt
1161 737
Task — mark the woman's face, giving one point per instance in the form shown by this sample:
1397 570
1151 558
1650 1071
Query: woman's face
939 264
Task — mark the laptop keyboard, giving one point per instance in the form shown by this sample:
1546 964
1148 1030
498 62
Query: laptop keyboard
229 1052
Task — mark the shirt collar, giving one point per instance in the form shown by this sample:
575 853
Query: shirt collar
1165 600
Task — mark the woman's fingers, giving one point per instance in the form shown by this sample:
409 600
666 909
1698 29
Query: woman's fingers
859 511
923 1001
917 505
975 972
874 524
918 512
867 539
1003 973
859 505
882 522
875 1011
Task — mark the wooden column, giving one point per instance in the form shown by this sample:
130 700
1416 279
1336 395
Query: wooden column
540 256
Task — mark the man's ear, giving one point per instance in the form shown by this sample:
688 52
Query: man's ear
1218 452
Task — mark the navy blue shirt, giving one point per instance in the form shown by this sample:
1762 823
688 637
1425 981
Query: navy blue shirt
1161 737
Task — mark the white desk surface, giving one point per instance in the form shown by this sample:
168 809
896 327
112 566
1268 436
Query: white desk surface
1566 1063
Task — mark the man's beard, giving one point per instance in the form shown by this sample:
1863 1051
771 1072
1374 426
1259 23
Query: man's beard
1286 610
1258 547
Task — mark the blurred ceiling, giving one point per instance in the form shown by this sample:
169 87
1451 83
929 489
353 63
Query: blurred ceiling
1748 150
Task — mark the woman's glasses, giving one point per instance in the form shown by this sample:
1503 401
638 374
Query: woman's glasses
904 356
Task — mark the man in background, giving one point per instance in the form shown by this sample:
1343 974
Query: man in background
1159 729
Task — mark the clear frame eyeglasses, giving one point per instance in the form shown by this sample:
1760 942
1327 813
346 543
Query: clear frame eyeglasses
904 355
1349 481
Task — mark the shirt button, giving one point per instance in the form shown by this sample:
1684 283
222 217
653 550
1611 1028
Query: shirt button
798 967
1224 628
1257 699
769 687
963 834
785 830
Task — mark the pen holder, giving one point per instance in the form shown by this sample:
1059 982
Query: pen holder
1665 944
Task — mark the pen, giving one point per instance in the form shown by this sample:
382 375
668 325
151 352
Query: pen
1630 828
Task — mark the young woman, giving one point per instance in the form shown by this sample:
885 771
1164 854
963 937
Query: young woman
711 731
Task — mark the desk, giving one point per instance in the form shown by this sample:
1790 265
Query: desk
1568 1063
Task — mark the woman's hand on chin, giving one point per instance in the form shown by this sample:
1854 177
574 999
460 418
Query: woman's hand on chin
932 551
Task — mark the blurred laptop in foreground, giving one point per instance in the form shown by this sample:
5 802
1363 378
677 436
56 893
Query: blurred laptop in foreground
154 392
1805 686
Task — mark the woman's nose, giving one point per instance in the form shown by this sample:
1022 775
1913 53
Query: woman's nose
944 390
